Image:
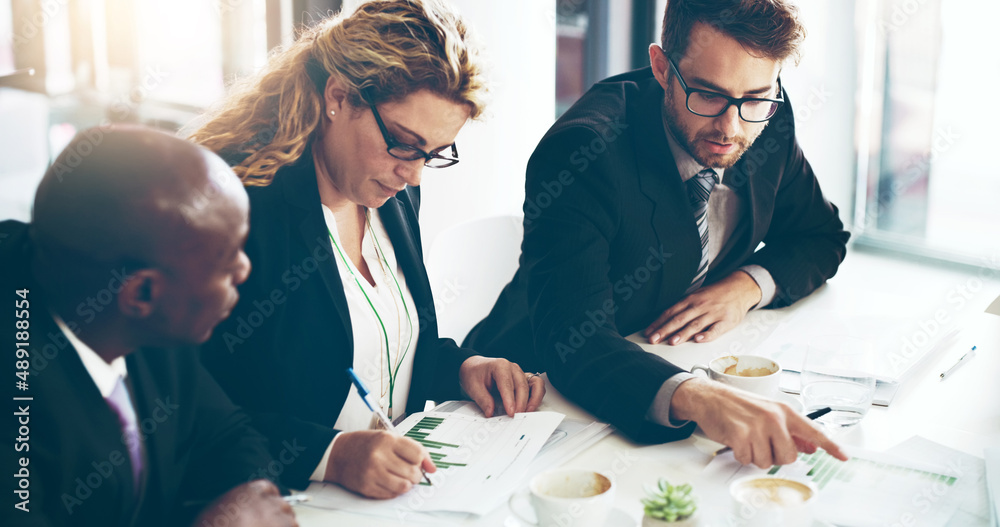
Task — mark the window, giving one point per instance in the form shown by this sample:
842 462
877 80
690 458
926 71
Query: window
180 50
571 38
6 38
111 54
596 39
927 184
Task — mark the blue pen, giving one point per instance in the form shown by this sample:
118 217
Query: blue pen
377 410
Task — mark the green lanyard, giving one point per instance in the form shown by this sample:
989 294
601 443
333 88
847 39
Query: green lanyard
406 311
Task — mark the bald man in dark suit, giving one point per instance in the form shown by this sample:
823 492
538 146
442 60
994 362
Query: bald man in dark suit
134 251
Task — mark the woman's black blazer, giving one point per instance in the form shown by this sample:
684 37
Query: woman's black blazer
284 351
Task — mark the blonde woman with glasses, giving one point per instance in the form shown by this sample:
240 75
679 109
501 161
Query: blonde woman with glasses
331 140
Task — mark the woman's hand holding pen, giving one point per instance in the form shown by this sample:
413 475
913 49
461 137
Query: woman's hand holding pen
481 377
377 463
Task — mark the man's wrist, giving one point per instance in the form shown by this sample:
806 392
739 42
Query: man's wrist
752 291
684 404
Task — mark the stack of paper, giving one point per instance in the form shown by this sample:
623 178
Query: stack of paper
480 461
901 344
571 437
993 484
877 489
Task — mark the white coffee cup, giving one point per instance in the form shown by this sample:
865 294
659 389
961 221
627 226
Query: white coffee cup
753 373
765 501
566 497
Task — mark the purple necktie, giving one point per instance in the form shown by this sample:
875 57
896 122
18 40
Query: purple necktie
122 405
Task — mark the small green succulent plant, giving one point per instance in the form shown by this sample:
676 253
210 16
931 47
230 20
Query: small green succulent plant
669 503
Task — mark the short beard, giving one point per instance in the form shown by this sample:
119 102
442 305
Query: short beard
688 139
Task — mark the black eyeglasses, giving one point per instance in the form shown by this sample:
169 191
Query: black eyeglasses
407 152
713 104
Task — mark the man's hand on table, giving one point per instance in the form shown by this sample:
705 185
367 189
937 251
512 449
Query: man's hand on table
760 431
707 313
254 504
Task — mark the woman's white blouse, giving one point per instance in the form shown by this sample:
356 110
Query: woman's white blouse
370 359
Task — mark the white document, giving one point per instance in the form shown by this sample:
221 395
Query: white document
790 382
571 437
900 345
969 494
870 489
480 463
993 483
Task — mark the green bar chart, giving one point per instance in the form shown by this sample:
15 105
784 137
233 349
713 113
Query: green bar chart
824 468
422 431
478 460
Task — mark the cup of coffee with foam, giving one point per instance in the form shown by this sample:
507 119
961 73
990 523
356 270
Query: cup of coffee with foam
753 373
760 501
566 497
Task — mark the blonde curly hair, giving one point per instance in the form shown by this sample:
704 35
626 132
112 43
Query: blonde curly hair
388 48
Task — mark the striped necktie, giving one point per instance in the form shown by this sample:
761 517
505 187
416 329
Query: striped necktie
121 403
699 188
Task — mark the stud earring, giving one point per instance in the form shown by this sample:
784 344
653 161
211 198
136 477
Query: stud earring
333 112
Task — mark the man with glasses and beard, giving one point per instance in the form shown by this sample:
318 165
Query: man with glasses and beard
646 207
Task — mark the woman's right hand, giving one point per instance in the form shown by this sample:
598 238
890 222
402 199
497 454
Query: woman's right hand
377 463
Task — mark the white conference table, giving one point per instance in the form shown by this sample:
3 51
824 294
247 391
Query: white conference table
961 412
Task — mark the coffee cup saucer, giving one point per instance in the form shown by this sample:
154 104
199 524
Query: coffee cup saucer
616 518
791 400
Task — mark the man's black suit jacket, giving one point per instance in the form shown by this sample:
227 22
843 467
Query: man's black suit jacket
198 445
610 242
284 351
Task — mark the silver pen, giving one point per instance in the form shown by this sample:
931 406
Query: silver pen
294 499
968 355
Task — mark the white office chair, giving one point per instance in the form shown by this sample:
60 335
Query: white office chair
468 266
24 147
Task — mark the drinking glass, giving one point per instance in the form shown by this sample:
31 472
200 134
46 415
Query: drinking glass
838 372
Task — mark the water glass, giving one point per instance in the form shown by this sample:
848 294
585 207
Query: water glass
838 372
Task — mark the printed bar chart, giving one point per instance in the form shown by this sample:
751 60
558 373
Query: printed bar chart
480 462
824 468
420 433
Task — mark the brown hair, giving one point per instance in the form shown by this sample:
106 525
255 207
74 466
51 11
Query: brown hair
387 48
770 28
